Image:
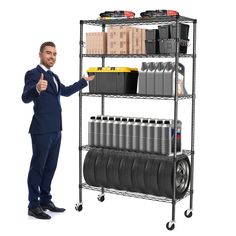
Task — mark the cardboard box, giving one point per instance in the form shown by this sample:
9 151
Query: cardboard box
96 43
143 41
117 40
131 47
88 44
137 44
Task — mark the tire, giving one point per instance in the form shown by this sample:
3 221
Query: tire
151 176
125 171
148 176
115 170
89 167
101 168
183 173
113 165
138 173
165 176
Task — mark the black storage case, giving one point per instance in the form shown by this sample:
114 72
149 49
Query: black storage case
183 31
113 80
152 43
168 46
164 31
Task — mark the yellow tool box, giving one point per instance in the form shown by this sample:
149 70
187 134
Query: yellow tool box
113 80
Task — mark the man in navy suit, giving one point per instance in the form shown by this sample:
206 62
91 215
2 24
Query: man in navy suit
44 88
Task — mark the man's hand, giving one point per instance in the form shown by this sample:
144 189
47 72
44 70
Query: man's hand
89 78
42 84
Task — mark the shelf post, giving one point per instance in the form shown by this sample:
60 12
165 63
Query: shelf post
103 64
102 97
193 112
80 112
175 116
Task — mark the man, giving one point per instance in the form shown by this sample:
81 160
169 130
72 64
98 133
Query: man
44 88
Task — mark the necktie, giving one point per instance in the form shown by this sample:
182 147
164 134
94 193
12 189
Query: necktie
53 80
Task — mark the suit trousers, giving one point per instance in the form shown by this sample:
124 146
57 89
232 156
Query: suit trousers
43 164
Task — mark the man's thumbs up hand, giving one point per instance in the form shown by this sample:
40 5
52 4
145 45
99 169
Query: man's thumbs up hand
42 84
41 76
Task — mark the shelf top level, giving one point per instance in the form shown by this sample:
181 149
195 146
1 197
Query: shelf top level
139 21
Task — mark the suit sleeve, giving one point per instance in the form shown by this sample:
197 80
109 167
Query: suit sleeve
30 93
69 90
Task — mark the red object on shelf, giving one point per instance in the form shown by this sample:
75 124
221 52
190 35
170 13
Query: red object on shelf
117 14
156 13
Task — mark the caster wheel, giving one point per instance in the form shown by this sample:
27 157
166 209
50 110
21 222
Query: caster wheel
170 225
101 198
188 213
79 207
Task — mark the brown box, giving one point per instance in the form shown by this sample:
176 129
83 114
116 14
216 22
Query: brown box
117 40
88 44
96 43
143 41
101 43
131 39
137 44
111 40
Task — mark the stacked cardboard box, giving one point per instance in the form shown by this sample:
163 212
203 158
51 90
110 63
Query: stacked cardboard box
137 37
96 43
118 40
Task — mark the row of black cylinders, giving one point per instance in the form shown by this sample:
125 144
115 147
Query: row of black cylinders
136 172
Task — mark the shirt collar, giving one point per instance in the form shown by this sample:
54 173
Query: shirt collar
43 67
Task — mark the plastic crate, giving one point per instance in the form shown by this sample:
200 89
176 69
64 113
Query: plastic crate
113 80
183 31
168 46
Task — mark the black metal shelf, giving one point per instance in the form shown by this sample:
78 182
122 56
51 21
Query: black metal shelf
181 55
133 194
164 157
140 21
162 20
135 96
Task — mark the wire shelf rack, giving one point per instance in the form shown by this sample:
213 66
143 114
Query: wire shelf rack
133 194
170 55
139 21
135 96
163 157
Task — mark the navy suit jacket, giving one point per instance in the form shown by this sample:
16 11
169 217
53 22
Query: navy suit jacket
47 107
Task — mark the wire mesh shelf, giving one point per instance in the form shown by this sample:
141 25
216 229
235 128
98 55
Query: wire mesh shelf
139 21
135 96
170 55
163 157
133 194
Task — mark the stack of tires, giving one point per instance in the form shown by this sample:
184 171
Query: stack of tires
136 172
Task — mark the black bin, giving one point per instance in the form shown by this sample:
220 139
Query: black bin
113 80
168 46
151 42
183 31
164 31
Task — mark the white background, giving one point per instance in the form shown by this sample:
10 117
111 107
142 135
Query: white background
25 25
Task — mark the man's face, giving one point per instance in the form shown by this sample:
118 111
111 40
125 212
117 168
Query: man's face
48 56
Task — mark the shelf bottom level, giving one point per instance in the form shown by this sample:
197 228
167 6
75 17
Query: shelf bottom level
133 194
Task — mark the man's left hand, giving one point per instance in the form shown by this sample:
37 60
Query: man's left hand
89 78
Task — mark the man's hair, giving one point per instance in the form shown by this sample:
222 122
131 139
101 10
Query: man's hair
49 43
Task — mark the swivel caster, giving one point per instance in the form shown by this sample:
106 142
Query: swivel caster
188 213
170 225
101 198
79 206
